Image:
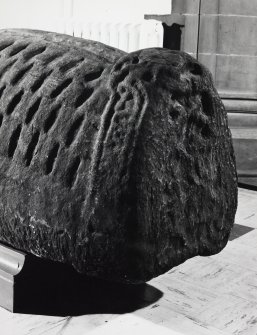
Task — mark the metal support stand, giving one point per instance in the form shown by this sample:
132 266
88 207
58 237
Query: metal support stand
33 285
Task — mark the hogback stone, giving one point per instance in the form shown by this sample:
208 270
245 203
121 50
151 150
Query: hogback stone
119 164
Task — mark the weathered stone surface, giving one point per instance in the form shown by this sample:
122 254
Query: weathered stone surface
119 164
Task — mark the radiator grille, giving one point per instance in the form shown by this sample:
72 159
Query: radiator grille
126 36
122 35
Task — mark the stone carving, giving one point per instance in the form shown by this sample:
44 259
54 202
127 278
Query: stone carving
119 164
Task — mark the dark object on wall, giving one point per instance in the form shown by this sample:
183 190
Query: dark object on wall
119 164
172 36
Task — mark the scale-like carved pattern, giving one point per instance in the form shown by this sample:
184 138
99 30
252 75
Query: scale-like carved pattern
34 52
51 58
31 148
49 122
14 141
17 49
40 81
74 130
84 96
14 102
5 45
32 110
6 67
21 73
93 75
1 119
58 90
46 76
52 158
108 154
72 172
2 90
71 64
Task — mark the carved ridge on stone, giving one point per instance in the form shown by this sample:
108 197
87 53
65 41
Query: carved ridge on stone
119 164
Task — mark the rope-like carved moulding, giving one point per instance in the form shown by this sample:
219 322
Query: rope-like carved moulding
118 164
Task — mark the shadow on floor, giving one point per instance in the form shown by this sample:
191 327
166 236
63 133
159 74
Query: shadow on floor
239 230
50 288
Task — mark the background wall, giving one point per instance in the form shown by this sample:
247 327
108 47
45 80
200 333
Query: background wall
50 14
118 23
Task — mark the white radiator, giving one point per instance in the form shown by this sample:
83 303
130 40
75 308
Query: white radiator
127 36
73 17
123 35
119 23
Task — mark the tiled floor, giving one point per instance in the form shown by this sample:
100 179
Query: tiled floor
205 295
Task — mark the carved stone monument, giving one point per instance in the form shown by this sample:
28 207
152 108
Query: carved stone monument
120 165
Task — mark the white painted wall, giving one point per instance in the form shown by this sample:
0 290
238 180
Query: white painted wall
31 13
49 14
